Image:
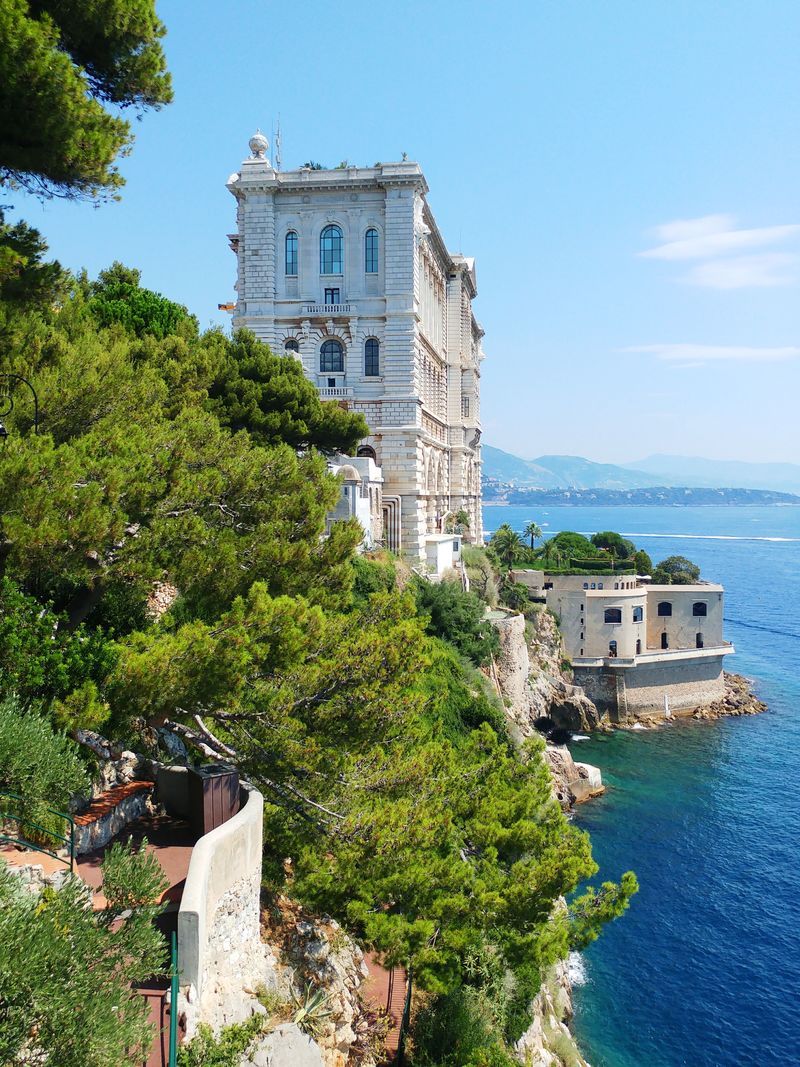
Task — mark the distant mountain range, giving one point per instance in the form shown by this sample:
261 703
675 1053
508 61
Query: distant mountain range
574 472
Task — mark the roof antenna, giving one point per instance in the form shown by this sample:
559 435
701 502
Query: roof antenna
276 144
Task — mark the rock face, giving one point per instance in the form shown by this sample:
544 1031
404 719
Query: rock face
738 699
572 782
548 1042
317 952
286 1046
529 675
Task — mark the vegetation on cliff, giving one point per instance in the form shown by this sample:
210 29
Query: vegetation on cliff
167 454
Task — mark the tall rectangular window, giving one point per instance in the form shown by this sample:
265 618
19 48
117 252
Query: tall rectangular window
291 253
331 296
371 252
331 250
464 407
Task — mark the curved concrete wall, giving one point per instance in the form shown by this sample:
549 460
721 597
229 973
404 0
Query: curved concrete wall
221 859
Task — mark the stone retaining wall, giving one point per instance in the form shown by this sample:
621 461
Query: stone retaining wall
630 693
109 815
220 953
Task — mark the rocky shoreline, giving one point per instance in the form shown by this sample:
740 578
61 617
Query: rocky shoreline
531 677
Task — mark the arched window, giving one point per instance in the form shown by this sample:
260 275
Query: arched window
372 358
698 640
291 253
612 649
331 357
664 609
613 615
371 252
664 640
638 614
331 247
291 345
367 452
638 647
585 586
700 610
599 585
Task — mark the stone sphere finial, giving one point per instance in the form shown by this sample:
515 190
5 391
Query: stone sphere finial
258 145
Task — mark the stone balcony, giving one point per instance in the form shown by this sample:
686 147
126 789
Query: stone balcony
337 392
327 309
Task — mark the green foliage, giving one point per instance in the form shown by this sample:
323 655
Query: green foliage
61 63
506 544
457 696
25 280
67 978
459 1030
483 579
43 767
457 617
311 1010
39 657
132 878
642 562
227 1050
534 532
589 912
568 545
514 596
615 544
372 576
676 570
118 298
271 398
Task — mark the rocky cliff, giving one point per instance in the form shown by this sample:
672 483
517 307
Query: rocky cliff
528 675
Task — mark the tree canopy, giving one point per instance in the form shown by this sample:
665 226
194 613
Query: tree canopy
62 62
676 570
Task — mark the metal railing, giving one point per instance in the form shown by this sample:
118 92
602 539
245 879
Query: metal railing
401 1042
173 1004
18 839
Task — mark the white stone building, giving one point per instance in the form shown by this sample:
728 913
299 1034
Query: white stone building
346 270
638 648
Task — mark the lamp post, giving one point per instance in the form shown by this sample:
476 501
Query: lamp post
10 408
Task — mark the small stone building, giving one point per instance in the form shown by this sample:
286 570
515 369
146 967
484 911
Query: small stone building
642 649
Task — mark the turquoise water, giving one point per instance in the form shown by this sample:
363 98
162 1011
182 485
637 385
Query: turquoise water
704 970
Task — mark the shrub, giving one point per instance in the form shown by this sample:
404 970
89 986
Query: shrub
68 978
39 659
457 617
42 766
372 576
205 1050
459 1030
481 574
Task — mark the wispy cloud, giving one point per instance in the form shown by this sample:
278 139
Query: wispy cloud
716 240
691 355
746 272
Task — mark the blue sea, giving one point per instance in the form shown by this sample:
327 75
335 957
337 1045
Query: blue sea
704 969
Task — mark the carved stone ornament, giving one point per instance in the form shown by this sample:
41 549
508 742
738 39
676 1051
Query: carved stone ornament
258 145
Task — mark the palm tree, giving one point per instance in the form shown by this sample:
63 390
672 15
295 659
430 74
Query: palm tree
533 531
506 544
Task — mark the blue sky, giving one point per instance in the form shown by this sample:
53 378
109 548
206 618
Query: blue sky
626 173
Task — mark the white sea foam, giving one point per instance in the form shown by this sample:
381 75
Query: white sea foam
581 737
638 726
576 969
713 537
